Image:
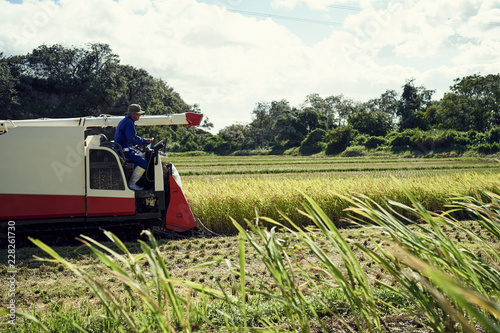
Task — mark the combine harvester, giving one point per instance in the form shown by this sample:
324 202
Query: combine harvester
56 175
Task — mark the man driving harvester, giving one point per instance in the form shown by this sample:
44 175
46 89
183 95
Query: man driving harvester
127 137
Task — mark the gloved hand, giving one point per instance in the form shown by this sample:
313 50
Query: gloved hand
148 141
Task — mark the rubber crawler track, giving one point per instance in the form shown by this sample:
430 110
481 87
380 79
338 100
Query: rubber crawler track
63 235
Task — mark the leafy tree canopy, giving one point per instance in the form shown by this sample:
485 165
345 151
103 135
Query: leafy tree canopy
55 81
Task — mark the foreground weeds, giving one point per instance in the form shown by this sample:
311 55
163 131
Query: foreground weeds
455 283
401 267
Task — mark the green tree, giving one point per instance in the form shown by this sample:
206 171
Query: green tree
338 139
473 103
237 137
313 143
8 93
261 125
290 129
207 124
334 109
371 122
388 103
312 119
429 118
65 81
235 132
414 100
326 107
343 108
266 124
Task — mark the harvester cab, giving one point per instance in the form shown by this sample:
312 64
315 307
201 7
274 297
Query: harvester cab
83 178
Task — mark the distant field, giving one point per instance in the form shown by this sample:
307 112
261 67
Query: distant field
218 188
209 165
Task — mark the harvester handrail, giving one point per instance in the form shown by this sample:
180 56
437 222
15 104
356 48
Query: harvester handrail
188 119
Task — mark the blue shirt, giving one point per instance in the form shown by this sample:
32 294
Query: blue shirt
126 135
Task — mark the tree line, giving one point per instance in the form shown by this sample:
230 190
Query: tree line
466 118
56 81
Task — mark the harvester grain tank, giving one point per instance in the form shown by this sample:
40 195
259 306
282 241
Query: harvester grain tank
58 172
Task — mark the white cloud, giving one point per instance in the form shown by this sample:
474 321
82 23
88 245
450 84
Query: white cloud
285 4
485 52
321 5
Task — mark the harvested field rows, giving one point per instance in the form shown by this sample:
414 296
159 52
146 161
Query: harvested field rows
260 165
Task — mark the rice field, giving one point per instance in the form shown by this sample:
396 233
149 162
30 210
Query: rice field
390 274
243 187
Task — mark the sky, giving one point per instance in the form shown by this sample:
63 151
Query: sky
228 55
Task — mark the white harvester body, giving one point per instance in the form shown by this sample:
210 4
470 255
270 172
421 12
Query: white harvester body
51 170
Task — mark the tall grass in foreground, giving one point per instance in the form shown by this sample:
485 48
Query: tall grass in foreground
455 284
445 276
156 303
353 283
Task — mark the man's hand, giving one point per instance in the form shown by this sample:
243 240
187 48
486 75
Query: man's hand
148 141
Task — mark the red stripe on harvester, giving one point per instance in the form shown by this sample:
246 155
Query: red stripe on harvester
106 206
37 206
